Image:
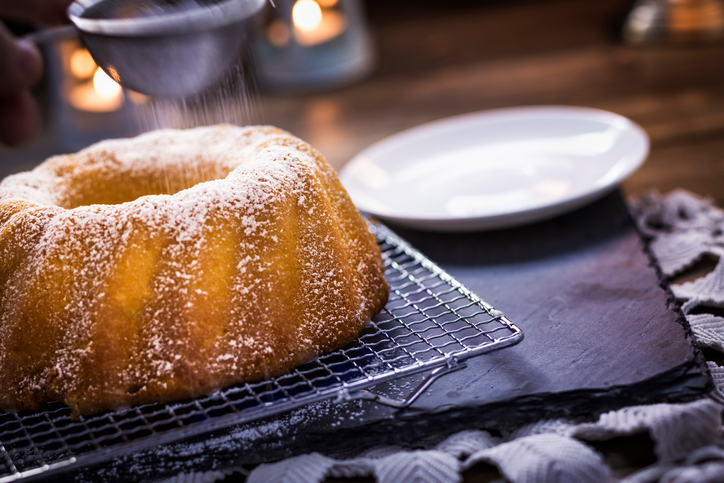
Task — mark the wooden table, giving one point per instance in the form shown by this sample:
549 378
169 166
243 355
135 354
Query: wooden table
436 60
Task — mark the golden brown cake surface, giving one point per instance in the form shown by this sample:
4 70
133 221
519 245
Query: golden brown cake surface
176 263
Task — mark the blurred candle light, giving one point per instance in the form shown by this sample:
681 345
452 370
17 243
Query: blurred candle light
310 45
315 25
278 34
307 15
105 86
101 94
87 105
82 65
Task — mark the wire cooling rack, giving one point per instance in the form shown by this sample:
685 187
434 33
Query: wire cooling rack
431 323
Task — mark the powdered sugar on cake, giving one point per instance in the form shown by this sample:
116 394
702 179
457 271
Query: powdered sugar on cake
246 264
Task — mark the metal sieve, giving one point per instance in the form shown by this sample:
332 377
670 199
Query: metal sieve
163 48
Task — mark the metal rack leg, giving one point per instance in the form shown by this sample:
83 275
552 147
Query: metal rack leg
452 365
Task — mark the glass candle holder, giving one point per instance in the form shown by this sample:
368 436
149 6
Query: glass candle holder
86 104
311 45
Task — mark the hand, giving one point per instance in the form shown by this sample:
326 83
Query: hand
21 66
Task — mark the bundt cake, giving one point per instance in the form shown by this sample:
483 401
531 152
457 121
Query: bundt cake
172 264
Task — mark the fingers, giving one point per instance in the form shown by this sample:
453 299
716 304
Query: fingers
21 66
20 63
19 119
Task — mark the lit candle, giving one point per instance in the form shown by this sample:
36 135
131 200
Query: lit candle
314 25
102 94
82 65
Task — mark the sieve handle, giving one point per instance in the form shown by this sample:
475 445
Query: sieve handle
51 35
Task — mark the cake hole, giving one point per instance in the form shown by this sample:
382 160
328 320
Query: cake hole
109 182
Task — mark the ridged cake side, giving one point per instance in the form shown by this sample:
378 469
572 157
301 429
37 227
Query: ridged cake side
162 297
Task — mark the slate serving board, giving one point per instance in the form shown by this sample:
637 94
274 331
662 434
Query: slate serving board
601 332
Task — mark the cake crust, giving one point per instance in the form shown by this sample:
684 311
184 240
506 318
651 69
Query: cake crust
176 263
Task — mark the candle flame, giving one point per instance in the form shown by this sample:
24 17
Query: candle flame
82 65
104 85
307 15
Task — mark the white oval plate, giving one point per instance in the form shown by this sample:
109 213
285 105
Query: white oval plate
495 169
